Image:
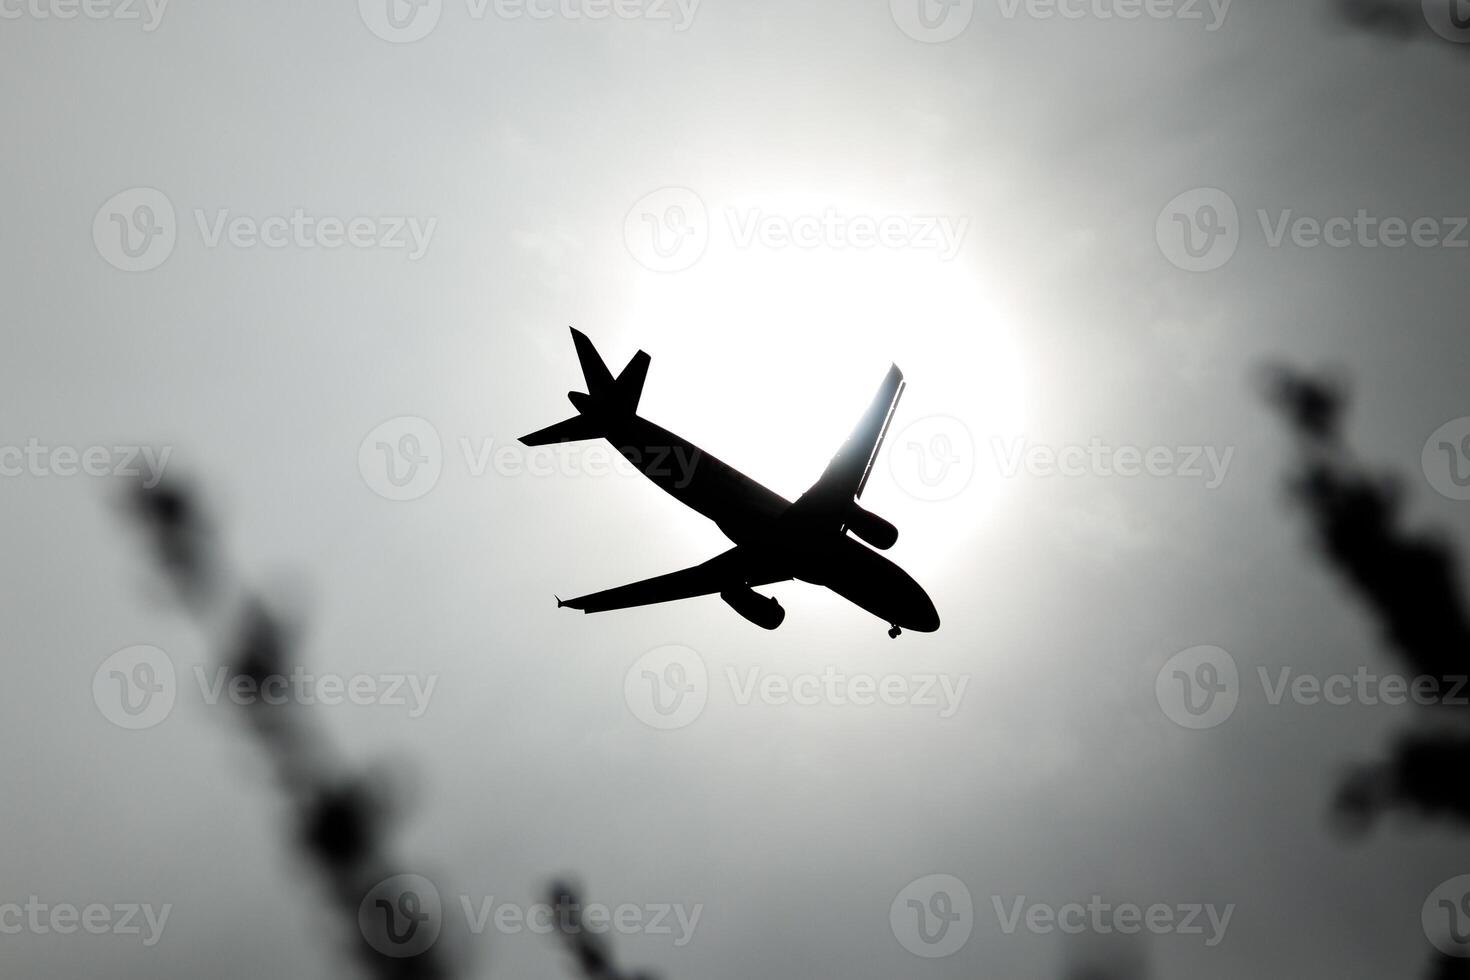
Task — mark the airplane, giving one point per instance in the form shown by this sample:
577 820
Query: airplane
776 540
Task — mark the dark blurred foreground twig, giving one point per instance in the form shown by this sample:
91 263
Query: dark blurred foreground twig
1409 583
340 816
588 950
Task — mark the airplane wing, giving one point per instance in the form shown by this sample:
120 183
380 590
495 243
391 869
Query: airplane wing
730 570
847 474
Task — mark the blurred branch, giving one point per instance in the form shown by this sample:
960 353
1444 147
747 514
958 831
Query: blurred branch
340 816
1409 582
589 950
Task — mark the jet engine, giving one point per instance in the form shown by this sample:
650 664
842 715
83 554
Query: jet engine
763 611
871 528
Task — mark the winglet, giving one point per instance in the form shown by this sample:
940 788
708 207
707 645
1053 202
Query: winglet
559 603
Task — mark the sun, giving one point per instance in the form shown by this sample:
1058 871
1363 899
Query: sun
767 357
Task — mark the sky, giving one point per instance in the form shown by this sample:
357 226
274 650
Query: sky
270 240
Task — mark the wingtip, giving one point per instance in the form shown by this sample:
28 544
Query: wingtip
559 603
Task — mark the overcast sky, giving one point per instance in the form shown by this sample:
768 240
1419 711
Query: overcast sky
775 201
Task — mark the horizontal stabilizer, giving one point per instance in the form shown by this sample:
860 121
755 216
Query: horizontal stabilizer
574 429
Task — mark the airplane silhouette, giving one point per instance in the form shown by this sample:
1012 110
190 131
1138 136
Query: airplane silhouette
775 540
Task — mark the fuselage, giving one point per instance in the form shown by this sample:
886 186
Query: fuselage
762 520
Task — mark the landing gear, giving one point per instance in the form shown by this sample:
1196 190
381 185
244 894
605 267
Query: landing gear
893 632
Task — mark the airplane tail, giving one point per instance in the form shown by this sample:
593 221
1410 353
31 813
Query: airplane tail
606 397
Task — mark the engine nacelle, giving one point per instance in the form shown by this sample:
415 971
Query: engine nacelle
871 528
763 611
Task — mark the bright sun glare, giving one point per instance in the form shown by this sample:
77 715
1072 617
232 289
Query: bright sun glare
770 356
